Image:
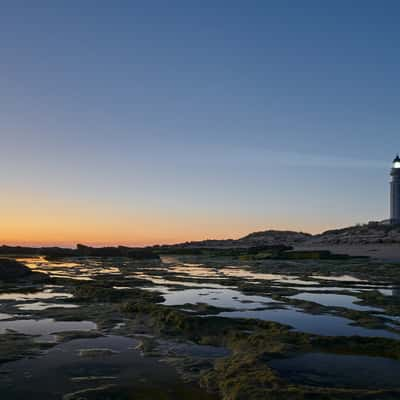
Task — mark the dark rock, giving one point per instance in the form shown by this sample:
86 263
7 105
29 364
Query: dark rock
13 270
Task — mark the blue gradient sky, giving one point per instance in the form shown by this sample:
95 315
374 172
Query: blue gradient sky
155 121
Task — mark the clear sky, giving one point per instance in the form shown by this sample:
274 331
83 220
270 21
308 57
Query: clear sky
142 122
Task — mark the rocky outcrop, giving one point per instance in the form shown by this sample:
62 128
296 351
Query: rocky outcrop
120 251
273 238
262 239
11 270
372 233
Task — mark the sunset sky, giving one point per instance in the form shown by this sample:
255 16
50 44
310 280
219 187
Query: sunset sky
140 122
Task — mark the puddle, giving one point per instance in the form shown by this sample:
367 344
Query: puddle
394 292
226 298
334 300
246 274
386 292
45 327
340 278
163 281
80 269
195 270
320 369
122 287
37 306
40 261
327 325
39 295
321 288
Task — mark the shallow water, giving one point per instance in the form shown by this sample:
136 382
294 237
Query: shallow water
62 370
334 300
247 274
226 298
196 270
322 369
320 324
394 291
159 280
45 326
320 288
81 269
5 316
38 295
340 278
37 306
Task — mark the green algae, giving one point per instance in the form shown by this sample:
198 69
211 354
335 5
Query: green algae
99 352
391 304
244 374
103 292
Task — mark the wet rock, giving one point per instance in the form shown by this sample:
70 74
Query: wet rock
14 346
148 346
11 270
92 378
90 393
92 353
72 335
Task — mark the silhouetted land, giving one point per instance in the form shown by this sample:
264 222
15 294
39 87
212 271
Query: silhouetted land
82 251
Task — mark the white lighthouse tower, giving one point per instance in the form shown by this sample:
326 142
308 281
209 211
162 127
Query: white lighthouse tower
395 192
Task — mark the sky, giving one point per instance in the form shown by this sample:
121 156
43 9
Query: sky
143 122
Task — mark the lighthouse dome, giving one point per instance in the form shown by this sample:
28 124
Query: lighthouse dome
396 162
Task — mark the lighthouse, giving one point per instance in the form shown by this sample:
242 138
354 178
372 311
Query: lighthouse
395 192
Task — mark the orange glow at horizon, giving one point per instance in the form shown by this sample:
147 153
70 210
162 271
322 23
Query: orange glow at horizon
67 230
66 222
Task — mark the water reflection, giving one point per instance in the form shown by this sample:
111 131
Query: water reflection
231 271
38 295
195 270
317 324
5 316
45 326
61 370
396 291
334 300
80 269
226 298
340 370
37 306
158 280
340 278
